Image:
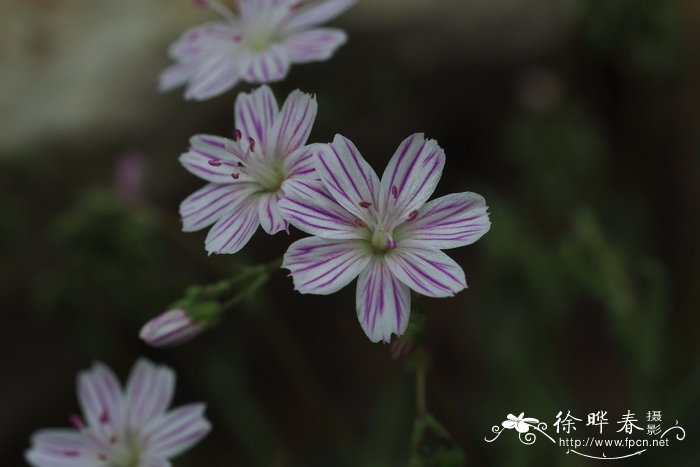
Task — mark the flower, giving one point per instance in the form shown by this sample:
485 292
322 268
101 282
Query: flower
522 425
122 429
384 232
258 45
246 173
170 328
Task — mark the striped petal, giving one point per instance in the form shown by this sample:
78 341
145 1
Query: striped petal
210 203
314 13
198 43
348 177
294 122
255 114
411 177
175 76
178 430
213 78
153 461
300 163
383 302
232 232
149 392
309 207
451 221
320 266
60 448
269 65
99 394
270 218
208 159
427 271
171 328
314 45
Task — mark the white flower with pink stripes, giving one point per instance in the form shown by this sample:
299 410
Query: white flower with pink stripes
246 173
129 428
382 232
258 44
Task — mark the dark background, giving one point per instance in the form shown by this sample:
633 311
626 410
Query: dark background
577 120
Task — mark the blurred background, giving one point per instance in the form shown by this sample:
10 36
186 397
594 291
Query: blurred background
577 120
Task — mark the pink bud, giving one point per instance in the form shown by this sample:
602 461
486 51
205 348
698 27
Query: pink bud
169 329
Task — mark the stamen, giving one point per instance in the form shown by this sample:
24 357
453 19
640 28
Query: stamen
237 38
104 418
394 191
360 223
391 244
214 162
235 175
252 144
113 439
77 421
237 134
412 215
365 204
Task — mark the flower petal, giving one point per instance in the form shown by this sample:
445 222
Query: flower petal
100 397
410 177
315 13
451 221
348 177
427 271
270 218
178 430
509 424
314 45
300 163
309 207
210 203
149 392
255 114
320 266
170 328
60 448
208 159
293 124
383 302
215 76
266 66
175 76
232 232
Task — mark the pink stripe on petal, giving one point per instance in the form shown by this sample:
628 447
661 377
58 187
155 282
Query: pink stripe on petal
177 430
267 66
214 77
293 124
322 267
314 13
270 218
149 392
314 45
255 114
451 221
212 202
411 176
427 271
233 231
383 302
99 395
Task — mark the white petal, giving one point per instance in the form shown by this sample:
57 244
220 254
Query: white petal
309 207
232 232
100 397
509 424
255 114
270 218
212 202
208 159
383 302
451 221
300 163
348 177
315 13
427 271
410 177
269 65
178 430
149 392
294 122
214 77
314 45
60 448
320 266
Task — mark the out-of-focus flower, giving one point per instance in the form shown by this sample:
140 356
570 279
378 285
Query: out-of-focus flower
122 428
258 45
384 232
246 173
170 328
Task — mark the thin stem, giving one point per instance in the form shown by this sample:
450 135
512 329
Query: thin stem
421 376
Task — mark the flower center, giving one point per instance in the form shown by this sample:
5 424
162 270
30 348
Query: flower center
381 240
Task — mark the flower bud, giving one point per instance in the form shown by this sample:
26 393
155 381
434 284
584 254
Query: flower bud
170 328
